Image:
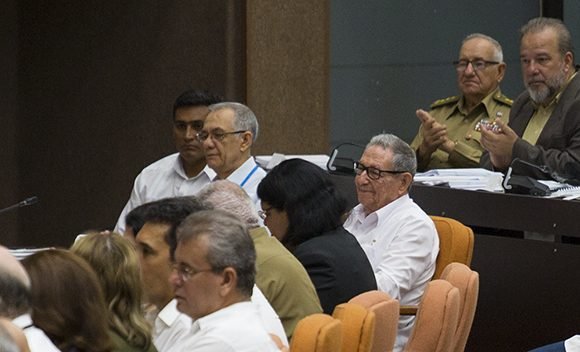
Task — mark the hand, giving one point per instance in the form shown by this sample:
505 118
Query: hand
434 134
499 144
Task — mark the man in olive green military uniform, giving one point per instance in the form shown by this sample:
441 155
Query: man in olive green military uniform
449 135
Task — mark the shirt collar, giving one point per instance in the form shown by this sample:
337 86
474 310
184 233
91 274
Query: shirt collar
178 168
380 214
169 314
217 317
241 172
485 102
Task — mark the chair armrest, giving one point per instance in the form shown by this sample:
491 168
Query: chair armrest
408 310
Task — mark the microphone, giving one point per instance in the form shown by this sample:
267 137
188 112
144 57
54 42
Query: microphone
344 165
28 201
524 184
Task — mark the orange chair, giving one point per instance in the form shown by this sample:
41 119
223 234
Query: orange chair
317 333
467 281
386 311
455 243
436 320
358 327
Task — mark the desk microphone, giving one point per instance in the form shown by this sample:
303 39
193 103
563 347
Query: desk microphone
524 184
24 203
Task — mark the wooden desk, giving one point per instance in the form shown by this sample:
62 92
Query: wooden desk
499 210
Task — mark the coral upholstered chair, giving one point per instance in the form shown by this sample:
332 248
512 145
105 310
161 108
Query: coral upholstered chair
455 243
467 282
386 311
358 327
317 333
436 320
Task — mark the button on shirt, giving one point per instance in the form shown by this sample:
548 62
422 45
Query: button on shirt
162 179
401 243
234 328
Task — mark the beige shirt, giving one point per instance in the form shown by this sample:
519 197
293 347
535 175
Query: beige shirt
541 115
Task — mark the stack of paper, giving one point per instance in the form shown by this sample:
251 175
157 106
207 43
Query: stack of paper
268 162
472 179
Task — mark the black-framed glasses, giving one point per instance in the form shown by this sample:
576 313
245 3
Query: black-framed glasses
372 172
216 135
477 64
185 272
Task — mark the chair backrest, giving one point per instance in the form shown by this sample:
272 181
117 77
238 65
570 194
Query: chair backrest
467 281
358 327
436 319
317 333
455 243
386 311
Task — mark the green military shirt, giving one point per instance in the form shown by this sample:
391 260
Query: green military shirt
461 129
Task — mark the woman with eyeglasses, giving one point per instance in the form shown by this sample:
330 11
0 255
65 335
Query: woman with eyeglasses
303 209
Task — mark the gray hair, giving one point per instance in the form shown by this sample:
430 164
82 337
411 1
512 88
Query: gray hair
14 296
497 52
539 24
229 244
404 158
228 196
14 286
244 118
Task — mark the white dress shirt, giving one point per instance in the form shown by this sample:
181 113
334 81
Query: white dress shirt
162 179
248 176
237 327
171 329
36 338
401 243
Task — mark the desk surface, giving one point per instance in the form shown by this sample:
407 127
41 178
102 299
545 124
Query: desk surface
488 209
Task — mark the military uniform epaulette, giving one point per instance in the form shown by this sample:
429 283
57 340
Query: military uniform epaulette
445 101
503 99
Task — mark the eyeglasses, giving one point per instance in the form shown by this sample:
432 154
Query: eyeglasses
196 125
216 135
185 272
372 172
477 64
264 213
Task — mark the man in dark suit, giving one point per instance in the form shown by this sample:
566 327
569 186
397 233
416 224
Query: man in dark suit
544 123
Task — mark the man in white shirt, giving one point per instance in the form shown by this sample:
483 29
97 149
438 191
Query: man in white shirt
227 136
213 278
155 244
399 239
183 173
15 302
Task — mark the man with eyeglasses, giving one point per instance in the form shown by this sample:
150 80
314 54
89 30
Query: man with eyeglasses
227 137
399 239
544 125
156 242
185 172
213 279
449 135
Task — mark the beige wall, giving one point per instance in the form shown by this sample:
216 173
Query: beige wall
287 74
89 87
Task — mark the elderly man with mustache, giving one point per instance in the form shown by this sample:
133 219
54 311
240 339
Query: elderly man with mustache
449 136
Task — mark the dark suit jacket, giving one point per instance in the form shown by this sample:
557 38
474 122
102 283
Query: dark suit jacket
337 266
558 146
